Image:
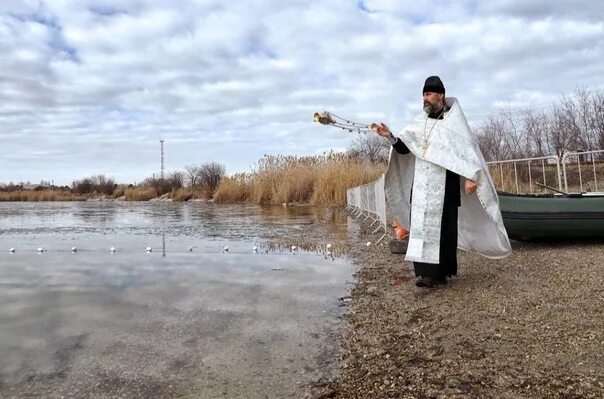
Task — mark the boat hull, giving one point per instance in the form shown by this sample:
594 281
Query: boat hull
553 216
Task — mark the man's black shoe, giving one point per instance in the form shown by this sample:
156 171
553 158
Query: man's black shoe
429 282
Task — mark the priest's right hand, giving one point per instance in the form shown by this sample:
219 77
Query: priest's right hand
382 129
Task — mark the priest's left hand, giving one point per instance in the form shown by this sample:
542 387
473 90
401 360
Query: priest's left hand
470 186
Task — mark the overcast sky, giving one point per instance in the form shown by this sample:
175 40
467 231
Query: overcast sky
90 86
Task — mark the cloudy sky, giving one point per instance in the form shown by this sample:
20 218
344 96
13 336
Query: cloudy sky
90 86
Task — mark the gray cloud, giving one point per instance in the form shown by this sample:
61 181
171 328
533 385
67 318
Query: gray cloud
579 9
91 86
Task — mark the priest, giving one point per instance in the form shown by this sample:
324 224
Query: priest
438 186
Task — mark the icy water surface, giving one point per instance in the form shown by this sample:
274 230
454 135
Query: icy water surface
187 319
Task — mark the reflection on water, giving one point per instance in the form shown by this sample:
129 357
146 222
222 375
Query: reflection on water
192 219
185 320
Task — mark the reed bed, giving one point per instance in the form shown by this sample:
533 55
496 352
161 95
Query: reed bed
234 189
140 193
187 193
314 180
41 195
120 191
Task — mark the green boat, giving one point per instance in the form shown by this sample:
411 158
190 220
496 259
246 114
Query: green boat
527 216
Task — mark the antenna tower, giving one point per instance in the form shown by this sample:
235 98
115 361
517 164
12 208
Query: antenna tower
161 176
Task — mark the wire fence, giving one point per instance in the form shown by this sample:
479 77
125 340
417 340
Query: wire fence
369 202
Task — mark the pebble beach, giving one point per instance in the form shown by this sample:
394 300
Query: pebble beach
527 326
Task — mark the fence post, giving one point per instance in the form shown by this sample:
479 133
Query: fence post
580 177
530 177
593 162
564 172
516 178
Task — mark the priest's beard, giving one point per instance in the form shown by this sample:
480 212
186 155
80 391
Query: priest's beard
430 108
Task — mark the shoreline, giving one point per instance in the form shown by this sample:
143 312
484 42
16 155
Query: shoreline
527 326
161 198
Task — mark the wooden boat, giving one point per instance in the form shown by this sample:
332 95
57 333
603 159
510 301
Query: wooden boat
527 216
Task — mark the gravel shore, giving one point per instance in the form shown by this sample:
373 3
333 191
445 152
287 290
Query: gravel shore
528 326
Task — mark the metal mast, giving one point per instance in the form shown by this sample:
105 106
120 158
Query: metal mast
161 176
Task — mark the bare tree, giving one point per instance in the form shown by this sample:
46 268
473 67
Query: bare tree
82 186
104 184
370 147
515 138
583 119
210 174
562 136
534 126
161 186
100 184
491 139
573 123
597 112
176 179
192 175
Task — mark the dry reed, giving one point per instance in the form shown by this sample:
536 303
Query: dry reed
140 193
188 193
41 195
315 180
119 192
234 189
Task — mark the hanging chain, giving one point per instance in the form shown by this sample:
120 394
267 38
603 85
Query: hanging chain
330 119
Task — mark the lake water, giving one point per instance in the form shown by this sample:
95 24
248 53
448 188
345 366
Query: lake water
187 319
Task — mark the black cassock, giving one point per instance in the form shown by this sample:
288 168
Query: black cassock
448 228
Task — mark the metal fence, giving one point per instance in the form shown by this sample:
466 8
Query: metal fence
505 173
523 174
570 158
369 201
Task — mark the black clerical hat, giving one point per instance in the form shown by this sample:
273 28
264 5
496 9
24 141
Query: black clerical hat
434 85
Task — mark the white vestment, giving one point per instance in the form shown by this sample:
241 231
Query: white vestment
437 145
